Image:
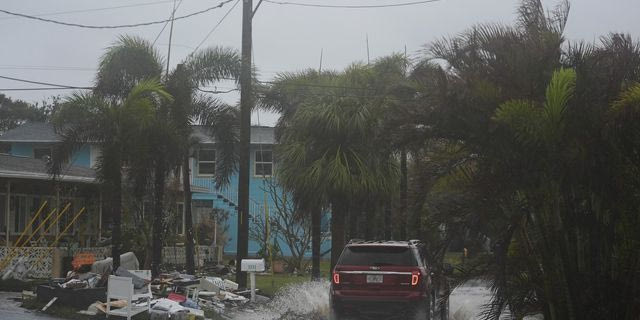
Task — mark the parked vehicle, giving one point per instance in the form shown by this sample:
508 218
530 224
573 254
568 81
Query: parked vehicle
386 279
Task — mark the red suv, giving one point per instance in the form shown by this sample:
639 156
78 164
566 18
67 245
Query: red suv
385 279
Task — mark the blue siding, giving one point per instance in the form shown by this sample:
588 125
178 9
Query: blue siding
22 149
82 157
257 198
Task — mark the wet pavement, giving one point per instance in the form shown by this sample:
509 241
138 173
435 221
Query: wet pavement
10 309
308 300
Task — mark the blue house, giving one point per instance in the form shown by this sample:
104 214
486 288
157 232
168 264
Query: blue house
35 141
26 187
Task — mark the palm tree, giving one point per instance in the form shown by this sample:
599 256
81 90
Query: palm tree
542 131
114 124
546 169
330 148
132 59
220 119
285 96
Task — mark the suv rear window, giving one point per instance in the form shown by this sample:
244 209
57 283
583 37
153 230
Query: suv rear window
378 256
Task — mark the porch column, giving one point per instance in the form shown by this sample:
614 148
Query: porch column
7 208
100 217
57 226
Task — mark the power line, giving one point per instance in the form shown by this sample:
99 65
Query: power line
216 26
217 91
45 68
315 85
95 9
44 89
389 5
44 83
115 26
173 13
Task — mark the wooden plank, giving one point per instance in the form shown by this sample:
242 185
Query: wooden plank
49 303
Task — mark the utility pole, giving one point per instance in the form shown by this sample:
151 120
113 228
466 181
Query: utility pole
246 104
368 62
173 14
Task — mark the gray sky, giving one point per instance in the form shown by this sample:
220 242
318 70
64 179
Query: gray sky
286 38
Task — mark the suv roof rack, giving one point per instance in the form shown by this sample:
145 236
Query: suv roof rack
413 242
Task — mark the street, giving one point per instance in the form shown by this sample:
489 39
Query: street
310 300
10 308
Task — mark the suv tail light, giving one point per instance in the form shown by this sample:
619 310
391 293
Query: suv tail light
336 278
415 278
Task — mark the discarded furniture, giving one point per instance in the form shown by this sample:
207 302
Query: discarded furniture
144 292
77 298
121 288
128 260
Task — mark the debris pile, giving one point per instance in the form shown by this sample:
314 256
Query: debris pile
95 289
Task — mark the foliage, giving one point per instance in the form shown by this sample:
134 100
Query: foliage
14 113
113 125
528 141
166 144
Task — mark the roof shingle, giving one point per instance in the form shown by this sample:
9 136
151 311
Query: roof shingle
30 168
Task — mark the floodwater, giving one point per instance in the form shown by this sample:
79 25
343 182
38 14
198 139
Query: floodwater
10 309
310 300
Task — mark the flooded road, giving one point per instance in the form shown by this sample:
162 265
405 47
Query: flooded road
310 300
10 308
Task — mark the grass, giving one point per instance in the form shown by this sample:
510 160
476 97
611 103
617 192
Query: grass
270 284
453 258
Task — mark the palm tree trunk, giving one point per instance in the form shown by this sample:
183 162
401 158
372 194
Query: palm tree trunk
188 221
159 185
316 237
353 221
387 221
402 216
116 214
368 222
338 217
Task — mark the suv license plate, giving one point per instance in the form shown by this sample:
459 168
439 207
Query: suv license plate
374 278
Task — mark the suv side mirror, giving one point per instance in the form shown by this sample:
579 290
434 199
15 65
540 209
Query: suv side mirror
447 268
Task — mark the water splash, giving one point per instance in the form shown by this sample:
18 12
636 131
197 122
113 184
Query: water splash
308 300
466 301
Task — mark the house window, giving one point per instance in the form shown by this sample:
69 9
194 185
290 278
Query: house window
206 162
5 148
18 213
40 153
263 163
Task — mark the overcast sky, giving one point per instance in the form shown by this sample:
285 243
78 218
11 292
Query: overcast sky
286 38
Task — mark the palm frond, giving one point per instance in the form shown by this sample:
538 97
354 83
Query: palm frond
559 92
222 123
129 60
213 64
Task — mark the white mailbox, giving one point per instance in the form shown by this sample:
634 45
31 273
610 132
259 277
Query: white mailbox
252 265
